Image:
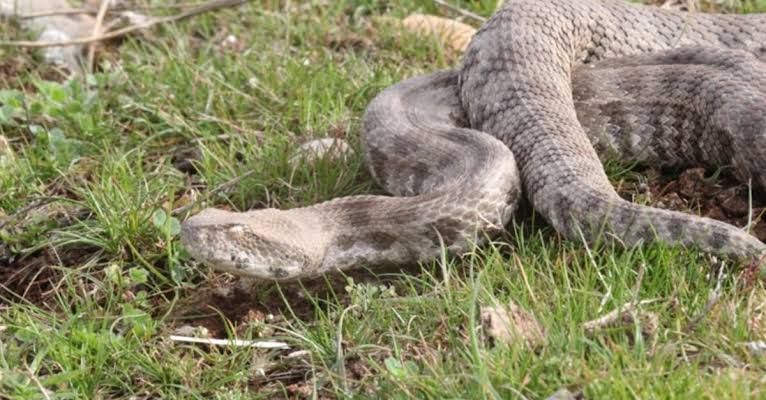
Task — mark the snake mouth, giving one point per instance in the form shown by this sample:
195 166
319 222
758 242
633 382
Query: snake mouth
245 244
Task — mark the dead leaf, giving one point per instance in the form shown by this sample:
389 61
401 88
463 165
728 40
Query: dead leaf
512 324
450 33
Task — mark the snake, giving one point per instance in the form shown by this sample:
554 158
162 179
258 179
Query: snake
543 89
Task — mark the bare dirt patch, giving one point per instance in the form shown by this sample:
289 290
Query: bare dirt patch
36 277
30 280
226 301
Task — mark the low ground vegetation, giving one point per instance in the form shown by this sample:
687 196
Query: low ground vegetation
97 172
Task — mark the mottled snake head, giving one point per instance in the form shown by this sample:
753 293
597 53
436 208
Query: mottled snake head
264 244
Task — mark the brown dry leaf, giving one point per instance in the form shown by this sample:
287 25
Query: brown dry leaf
450 33
512 324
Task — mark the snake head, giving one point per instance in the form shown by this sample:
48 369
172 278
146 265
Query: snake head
264 244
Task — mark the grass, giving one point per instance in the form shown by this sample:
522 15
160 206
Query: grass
93 278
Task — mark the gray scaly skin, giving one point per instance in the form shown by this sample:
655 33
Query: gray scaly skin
546 78
452 187
516 85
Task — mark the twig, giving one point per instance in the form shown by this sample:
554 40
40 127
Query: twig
265 344
54 13
114 10
615 315
340 358
207 7
102 10
461 11
37 382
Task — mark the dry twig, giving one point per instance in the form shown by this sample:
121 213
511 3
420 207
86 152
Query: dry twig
204 8
112 10
615 316
102 10
461 11
261 344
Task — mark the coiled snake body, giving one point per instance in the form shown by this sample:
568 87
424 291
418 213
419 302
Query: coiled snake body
543 84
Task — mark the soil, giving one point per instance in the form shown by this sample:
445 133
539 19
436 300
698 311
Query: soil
703 193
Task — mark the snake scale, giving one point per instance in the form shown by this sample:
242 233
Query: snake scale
543 85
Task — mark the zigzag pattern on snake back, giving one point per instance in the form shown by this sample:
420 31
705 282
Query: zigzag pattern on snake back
542 84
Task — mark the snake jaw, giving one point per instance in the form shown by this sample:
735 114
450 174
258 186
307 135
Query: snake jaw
263 244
